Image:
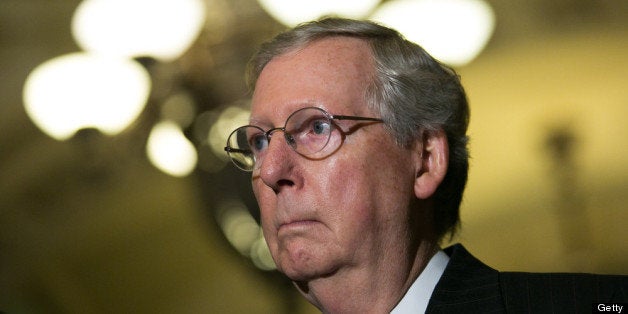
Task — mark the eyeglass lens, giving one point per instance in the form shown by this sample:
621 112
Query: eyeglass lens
307 131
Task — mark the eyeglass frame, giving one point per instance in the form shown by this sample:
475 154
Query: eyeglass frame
268 134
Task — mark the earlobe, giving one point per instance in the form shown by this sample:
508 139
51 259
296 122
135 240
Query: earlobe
432 163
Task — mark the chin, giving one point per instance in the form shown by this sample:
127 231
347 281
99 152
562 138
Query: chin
304 266
304 274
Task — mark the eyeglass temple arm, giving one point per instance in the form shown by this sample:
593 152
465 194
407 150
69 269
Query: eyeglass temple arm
338 117
235 150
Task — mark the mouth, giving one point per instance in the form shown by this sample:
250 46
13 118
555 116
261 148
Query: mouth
297 225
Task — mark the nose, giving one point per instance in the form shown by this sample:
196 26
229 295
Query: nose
277 168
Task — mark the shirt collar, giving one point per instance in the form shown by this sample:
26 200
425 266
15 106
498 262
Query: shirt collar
418 296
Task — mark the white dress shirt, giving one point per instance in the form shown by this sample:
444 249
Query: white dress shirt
418 296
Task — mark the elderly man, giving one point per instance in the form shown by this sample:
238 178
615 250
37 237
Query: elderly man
357 148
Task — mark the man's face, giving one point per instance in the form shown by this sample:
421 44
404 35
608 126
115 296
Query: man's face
346 211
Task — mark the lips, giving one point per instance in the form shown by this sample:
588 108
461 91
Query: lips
297 225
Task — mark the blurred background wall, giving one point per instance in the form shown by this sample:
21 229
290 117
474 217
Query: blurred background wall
90 225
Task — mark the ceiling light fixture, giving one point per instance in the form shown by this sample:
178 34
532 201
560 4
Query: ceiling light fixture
453 31
291 13
79 90
162 29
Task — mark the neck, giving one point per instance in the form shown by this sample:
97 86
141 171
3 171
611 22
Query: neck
375 288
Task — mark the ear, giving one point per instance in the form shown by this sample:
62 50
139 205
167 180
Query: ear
432 151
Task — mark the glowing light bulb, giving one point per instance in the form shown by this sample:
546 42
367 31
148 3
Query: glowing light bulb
162 29
291 13
453 31
76 91
170 151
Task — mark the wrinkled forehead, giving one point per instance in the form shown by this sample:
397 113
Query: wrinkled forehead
330 73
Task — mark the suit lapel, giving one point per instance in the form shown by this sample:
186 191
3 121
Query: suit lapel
467 286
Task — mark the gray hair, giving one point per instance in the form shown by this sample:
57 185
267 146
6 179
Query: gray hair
413 92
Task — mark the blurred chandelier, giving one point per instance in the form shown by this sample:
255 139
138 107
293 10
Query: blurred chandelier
161 29
104 87
453 31
80 90
293 12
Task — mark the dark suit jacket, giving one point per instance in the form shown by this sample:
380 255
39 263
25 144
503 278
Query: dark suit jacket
469 286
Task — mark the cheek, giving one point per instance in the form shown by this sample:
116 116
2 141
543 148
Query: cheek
346 190
376 182
256 184
266 201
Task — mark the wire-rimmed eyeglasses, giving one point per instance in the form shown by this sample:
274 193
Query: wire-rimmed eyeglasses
308 131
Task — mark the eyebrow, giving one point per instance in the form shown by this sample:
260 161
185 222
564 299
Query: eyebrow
254 121
297 106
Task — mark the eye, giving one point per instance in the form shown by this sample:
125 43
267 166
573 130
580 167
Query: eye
258 142
320 127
